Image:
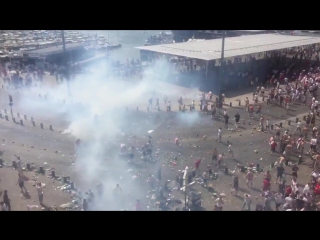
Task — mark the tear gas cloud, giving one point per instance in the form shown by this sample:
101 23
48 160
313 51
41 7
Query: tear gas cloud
107 97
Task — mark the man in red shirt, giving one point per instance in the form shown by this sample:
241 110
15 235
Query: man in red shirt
196 166
266 185
288 191
273 147
250 110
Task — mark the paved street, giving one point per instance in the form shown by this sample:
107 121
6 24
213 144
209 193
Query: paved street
196 131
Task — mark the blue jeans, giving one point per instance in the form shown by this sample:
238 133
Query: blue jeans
244 205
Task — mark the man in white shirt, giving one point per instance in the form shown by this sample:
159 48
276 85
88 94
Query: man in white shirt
298 128
169 106
306 189
313 144
278 200
246 202
219 204
219 134
40 192
289 200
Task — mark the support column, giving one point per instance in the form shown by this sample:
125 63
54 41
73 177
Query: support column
221 65
207 65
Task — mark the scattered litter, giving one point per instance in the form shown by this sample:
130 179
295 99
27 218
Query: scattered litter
66 205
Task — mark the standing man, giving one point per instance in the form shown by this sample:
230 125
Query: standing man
298 128
226 120
117 190
169 106
246 202
150 102
249 178
40 193
219 134
258 112
261 123
165 99
237 119
196 166
214 155
230 151
235 184
6 200
247 104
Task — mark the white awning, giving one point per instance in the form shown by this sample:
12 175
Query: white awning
234 46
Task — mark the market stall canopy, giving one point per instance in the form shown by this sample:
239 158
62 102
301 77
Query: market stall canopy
234 46
54 49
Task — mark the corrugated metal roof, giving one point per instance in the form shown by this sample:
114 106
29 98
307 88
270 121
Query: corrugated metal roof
54 49
234 46
253 31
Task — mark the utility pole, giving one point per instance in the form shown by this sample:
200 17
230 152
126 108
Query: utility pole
221 67
185 183
11 104
63 42
66 62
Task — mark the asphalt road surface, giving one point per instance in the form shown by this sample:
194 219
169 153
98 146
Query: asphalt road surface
198 137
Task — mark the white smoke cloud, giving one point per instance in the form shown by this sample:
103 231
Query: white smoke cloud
107 97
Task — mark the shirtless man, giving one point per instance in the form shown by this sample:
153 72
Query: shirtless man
214 155
249 178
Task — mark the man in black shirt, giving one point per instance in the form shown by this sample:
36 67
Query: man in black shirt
299 203
226 120
280 171
237 119
282 187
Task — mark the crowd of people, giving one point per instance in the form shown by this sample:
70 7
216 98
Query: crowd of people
6 202
296 69
242 72
284 68
299 85
18 76
290 196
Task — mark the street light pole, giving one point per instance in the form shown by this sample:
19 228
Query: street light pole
185 183
221 66
11 104
63 42
65 60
